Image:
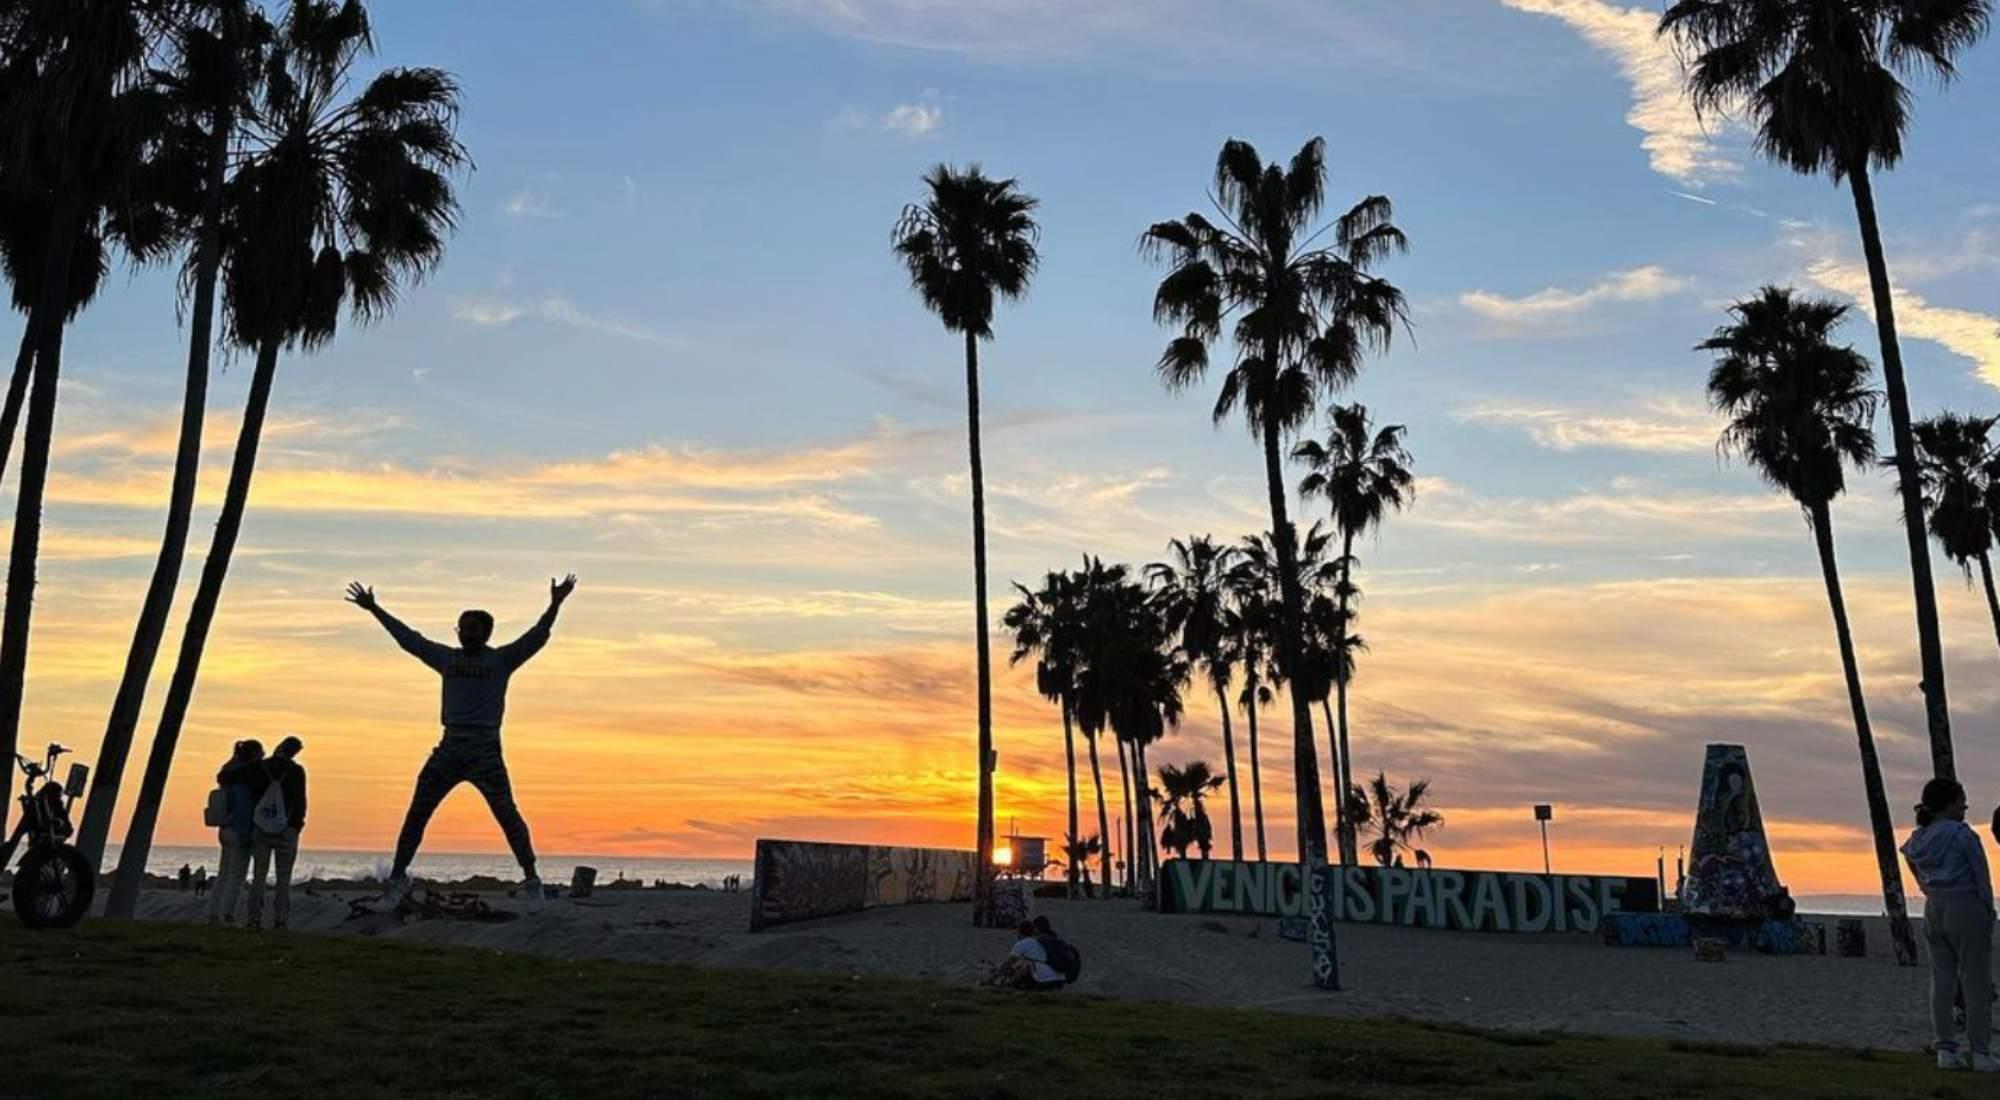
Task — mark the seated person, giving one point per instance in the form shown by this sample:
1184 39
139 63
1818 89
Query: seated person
1027 966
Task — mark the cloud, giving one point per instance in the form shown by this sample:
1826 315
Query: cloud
529 203
1557 307
1677 142
1616 515
494 312
1975 336
913 121
1662 425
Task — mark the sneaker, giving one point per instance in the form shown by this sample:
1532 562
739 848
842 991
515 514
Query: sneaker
1953 1060
1985 1063
393 893
531 889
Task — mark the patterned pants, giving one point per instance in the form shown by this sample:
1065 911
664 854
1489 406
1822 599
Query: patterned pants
480 764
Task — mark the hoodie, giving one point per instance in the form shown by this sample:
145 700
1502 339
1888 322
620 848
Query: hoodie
1949 861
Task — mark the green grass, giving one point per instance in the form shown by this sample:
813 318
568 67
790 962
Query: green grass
154 1010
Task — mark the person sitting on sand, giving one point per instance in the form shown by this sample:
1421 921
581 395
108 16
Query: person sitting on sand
1027 966
1950 866
243 780
475 699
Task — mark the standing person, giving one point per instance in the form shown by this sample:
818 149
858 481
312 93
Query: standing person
475 699
186 874
243 780
201 880
284 771
1950 865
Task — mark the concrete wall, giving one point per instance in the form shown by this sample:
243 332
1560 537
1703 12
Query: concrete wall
803 879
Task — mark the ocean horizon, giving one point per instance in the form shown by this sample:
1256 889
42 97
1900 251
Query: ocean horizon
337 863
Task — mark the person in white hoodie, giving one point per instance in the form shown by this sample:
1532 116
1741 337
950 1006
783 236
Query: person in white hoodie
1950 865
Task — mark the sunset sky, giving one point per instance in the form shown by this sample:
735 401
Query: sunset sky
669 351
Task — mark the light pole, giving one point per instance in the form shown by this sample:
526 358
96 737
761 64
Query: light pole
1543 812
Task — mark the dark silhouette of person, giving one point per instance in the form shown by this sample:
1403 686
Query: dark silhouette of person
475 677
281 845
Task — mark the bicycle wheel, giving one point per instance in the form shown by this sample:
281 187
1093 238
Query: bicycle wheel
53 886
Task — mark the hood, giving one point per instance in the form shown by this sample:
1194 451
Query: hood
1929 848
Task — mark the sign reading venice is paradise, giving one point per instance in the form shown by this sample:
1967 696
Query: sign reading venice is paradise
1472 901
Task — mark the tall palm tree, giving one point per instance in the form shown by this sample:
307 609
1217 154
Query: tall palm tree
1956 464
1253 627
24 231
1194 595
971 242
220 47
1364 474
1258 594
1183 796
1087 589
1800 412
1305 317
1397 818
1822 80
77 121
348 197
1044 625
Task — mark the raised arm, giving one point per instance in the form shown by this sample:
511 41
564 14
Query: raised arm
518 651
415 644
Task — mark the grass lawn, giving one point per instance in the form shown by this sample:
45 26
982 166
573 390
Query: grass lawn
156 1010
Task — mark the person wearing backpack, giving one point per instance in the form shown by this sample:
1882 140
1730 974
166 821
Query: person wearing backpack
239 785
1063 956
275 825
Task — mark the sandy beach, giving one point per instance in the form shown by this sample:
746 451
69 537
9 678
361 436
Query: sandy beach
1526 982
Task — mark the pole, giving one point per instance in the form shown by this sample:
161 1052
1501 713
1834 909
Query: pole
1545 849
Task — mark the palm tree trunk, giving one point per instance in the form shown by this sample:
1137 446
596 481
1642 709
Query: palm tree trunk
1125 785
1871 765
201 617
46 321
17 393
1229 762
1335 761
1305 759
1148 852
982 892
1930 645
1103 819
1069 752
153 614
1992 600
1350 843
1256 777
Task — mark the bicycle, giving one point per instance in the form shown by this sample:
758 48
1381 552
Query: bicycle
54 883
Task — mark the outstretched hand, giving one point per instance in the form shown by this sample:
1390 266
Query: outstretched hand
560 590
361 596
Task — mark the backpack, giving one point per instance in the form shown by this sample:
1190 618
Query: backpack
271 816
216 813
1065 958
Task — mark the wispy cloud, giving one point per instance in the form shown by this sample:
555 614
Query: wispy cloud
1608 516
1964 332
1661 425
530 203
1557 306
1678 143
916 120
493 312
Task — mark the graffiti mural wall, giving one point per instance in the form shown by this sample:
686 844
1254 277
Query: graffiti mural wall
802 879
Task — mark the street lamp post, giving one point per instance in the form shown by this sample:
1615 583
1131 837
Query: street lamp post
1543 812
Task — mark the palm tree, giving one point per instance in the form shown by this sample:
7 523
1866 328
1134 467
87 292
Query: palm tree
1363 474
1956 466
220 55
1194 596
1183 796
1044 625
346 198
24 224
1087 590
1255 582
971 241
1822 79
1800 411
1305 317
77 122
1249 647
1397 818
1078 853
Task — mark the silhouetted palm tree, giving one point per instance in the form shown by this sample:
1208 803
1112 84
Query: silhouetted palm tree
1956 465
1822 81
1079 853
77 121
1045 625
1800 412
346 198
1255 583
24 231
1363 474
1397 818
1305 316
1183 796
220 47
971 242
1253 626
1193 591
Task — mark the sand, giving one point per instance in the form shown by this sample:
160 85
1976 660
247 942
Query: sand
1525 982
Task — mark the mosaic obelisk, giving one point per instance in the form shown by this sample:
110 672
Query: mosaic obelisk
1729 874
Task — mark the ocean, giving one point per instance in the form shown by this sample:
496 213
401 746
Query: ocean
329 863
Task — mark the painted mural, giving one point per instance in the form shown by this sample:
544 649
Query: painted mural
1730 875
803 880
